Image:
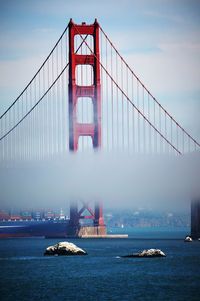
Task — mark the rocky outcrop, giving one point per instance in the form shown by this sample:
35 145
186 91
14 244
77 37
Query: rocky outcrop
64 248
188 239
147 253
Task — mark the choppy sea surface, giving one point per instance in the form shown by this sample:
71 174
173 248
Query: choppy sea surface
25 274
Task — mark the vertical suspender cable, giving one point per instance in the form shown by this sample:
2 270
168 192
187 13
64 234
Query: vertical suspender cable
143 110
39 123
107 107
166 145
188 144
155 133
31 122
112 111
27 123
57 138
9 140
122 87
43 118
61 103
48 117
133 117
127 107
160 128
195 147
149 139
34 122
3 142
18 137
14 137
117 102
138 115
171 131
21 127
6 139
52 105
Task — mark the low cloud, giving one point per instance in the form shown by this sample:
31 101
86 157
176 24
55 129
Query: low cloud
120 180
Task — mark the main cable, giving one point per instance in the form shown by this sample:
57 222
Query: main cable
144 87
35 73
35 105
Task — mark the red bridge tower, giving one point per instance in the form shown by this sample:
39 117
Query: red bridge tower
77 129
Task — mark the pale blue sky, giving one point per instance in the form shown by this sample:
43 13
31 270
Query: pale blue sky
160 39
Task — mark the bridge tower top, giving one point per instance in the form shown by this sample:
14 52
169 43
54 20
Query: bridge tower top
79 92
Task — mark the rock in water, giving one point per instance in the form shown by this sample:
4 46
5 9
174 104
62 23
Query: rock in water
188 239
152 253
147 253
64 248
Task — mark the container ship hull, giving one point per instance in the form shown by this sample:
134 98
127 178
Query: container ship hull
46 228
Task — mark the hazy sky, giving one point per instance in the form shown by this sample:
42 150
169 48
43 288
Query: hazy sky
160 39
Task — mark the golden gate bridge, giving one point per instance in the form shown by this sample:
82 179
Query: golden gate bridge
85 96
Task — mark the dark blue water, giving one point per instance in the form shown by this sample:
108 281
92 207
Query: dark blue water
25 274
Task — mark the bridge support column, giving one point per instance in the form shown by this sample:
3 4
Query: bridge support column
195 219
98 215
77 129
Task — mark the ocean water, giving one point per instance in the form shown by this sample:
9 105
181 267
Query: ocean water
25 274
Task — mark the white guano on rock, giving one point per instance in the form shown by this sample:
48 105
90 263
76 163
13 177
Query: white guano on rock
188 239
152 253
64 248
147 253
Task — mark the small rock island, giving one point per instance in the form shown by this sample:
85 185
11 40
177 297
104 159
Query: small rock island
64 248
188 239
147 253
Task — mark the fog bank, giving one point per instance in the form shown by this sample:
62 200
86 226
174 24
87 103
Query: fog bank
119 180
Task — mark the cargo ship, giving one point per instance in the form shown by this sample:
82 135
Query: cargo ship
34 224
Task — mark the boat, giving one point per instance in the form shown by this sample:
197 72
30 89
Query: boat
29 226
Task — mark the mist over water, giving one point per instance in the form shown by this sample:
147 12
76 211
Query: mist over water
119 180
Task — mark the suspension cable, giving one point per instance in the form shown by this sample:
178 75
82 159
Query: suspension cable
127 96
1 138
36 72
35 105
157 102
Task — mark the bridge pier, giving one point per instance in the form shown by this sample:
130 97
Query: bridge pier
195 219
76 229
